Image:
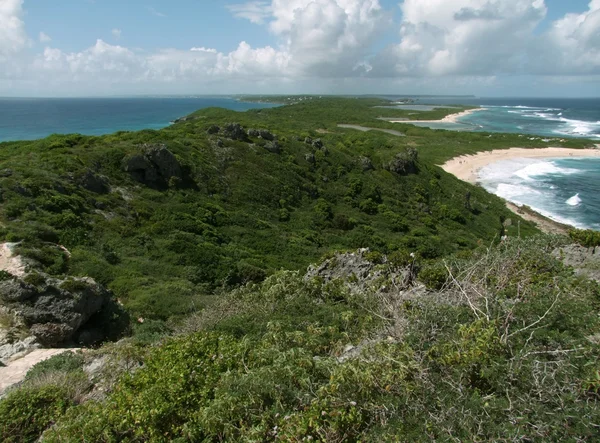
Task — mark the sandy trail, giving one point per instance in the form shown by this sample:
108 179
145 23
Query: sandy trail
16 370
366 129
9 262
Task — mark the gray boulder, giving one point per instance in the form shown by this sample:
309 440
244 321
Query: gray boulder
405 163
94 183
214 129
365 163
57 311
266 135
318 143
234 131
273 146
155 166
310 158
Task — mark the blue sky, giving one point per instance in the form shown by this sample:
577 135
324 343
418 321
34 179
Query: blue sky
104 47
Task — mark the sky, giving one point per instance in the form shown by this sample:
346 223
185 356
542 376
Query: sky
480 47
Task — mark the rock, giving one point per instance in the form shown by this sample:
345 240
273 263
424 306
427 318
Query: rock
318 143
6 173
94 183
585 261
10 350
310 158
253 133
234 131
359 273
56 311
214 129
155 166
266 135
365 163
273 146
16 290
308 141
52 334
405 163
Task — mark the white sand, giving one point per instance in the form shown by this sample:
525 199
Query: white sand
466 167
452 118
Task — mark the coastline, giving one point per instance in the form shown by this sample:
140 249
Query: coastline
452 118
466 168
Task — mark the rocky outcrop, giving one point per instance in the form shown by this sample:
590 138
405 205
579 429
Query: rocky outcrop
54 311
156 166
310 158
59 311
234 131
94 183
273 146
405 163
366 164
214 129
585 261
360 271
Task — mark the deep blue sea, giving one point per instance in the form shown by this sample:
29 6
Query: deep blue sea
564 189
29 119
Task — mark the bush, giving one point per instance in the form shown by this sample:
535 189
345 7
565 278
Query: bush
589 238
66 363
434 276
27 412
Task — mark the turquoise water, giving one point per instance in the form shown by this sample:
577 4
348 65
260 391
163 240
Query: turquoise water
29 119
566 190
545 117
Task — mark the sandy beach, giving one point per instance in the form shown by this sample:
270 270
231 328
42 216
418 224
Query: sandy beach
466 168
452 118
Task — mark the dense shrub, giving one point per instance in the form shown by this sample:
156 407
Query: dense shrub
27 412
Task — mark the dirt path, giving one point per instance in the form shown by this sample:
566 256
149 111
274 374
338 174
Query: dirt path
8 262
17 369
365 129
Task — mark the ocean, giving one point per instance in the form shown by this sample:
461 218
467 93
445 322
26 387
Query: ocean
564 189
33 118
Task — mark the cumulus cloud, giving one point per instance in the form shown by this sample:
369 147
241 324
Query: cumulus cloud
256 11
462 37
13 37
440 44
44 38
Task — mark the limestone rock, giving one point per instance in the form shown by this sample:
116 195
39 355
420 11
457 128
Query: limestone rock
234 131
585 261
273 146
366 164
94 183
155 166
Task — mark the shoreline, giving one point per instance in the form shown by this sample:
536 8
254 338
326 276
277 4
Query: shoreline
452 118
467 167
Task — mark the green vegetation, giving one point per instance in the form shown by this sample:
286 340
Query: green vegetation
505 355
207 250
589 239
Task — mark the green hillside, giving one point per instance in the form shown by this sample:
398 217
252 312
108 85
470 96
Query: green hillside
205 232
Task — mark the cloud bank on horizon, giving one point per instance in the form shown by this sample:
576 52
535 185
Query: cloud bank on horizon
337 46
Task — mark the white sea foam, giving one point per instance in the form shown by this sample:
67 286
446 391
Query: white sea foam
575 200
540 168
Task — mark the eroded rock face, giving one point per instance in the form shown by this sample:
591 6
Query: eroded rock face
55 311
234 131
94 183
366 164
360 272
585 261
273 147
156 166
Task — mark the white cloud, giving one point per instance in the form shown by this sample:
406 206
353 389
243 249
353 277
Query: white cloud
13 37
44 38
328 46
463 37
156 13
256 11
